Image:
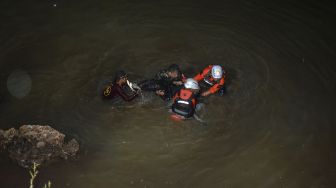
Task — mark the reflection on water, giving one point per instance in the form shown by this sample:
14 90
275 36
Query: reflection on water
273 128
19 84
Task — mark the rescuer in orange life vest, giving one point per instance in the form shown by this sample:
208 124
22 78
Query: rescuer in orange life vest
185 100
213 78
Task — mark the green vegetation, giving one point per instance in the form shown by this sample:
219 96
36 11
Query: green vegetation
33 174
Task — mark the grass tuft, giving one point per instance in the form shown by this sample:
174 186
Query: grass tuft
33 174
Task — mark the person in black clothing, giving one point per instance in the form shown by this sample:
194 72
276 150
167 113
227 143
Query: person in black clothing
119 88
166 82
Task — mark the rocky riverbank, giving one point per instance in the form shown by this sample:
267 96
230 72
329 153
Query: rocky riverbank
36 143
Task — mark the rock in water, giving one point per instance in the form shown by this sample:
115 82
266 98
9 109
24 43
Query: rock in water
36 143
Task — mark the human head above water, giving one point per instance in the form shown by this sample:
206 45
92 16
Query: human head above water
121 77
173 71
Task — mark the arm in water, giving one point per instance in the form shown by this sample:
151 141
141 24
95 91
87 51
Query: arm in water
124 96
213 89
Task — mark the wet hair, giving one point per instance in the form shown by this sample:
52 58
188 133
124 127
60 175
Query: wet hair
173 67
119 75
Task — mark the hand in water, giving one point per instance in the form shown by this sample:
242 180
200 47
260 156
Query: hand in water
160 92
178 83
135 86
206 93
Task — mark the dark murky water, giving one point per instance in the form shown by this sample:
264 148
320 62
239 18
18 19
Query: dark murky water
274 128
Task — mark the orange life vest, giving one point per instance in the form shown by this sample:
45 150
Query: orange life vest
210 80
184 103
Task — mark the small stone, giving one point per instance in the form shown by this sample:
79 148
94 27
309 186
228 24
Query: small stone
40 144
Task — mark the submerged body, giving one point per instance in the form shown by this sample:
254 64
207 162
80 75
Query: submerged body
119 87
115 90
165 83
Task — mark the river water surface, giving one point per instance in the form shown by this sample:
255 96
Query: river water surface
275 127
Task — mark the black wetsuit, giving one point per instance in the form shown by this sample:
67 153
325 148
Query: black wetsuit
114 90
162 81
